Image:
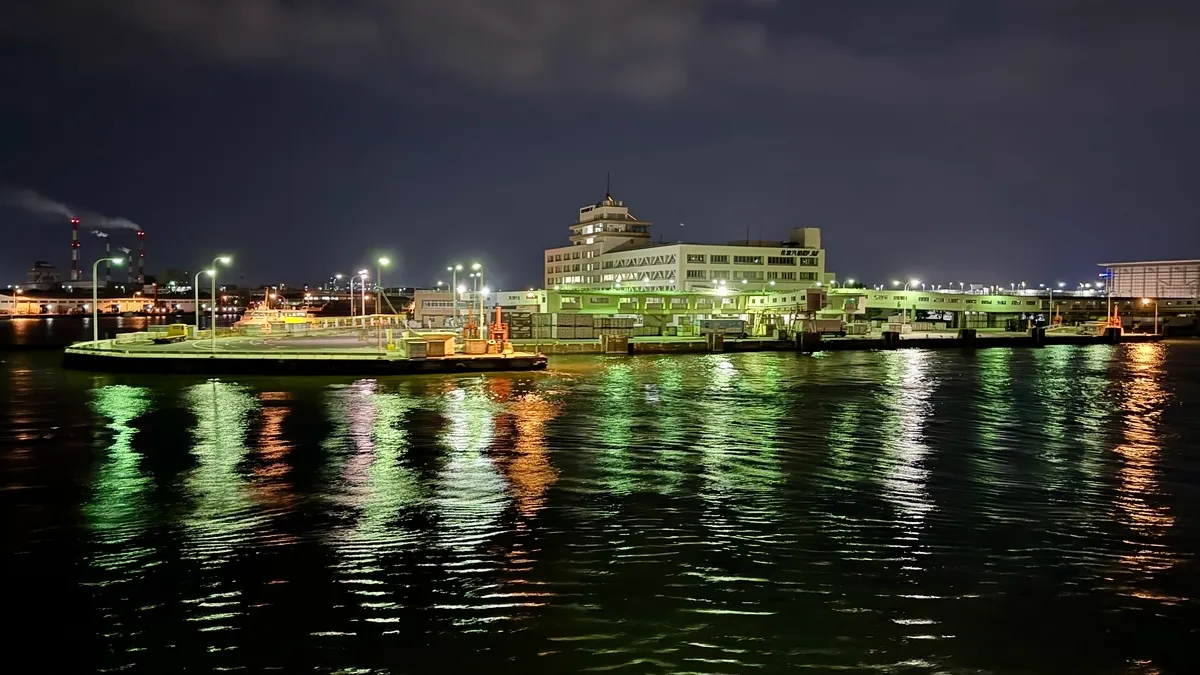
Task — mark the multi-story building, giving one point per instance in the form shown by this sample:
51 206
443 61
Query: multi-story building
610 248
1156 279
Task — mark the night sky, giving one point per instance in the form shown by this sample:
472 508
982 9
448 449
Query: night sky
988 141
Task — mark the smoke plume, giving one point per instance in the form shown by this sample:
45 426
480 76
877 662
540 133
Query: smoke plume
45 208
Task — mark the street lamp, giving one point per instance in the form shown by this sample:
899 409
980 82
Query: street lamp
379 265
478 267
96 299
224 260
196 287
454 270
362 287
1146 301
1050 318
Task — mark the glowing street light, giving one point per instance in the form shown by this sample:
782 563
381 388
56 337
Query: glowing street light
454 270
196 287
224 260
362 286
95 298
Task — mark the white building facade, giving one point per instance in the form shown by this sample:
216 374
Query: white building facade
611 248
1154 279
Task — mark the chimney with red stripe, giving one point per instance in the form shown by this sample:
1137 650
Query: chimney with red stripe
141 261
75 249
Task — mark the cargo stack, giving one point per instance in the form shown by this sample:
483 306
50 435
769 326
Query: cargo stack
584 327
621 326
541 326
520 325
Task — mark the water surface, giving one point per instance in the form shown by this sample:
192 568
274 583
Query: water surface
1003 511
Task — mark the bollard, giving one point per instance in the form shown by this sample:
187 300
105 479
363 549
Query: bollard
1039 336
967 336
1112 335
891 339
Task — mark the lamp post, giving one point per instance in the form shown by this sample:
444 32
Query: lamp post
454 287
224 260
1146 301
478 267
351 298
379 265
196 287
96 298
362 289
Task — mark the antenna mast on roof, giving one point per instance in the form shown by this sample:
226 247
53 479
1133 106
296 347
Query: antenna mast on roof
607 183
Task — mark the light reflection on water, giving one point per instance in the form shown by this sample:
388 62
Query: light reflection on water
908 512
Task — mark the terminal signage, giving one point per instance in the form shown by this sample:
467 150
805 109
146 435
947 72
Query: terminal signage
800 252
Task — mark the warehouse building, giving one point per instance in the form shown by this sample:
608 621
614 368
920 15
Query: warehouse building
1175 279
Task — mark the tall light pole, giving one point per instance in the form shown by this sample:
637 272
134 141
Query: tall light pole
351 296
479 273
454 270
196 287
379 265
362 287
1146 301
224 260
1050 318
96 298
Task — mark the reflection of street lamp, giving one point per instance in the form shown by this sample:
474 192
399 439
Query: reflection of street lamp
96 300
196 287
1146 301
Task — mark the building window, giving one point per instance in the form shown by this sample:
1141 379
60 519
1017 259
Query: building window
783 276
807 276
575 255
589 254
747 260
810 262
781 260
719 259
695 274
569 301
557 257
575 267
590 240
953 300
599 300
549 258
924 299
718 274
696 258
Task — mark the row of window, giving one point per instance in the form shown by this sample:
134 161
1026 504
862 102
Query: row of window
574 255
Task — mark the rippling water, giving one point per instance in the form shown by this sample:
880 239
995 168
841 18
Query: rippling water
907 512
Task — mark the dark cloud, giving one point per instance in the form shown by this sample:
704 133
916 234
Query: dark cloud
1009 53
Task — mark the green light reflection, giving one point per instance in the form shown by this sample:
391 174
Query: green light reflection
222 509
117 511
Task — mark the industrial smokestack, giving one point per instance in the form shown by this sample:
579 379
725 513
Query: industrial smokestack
107 254
74 249
141 261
